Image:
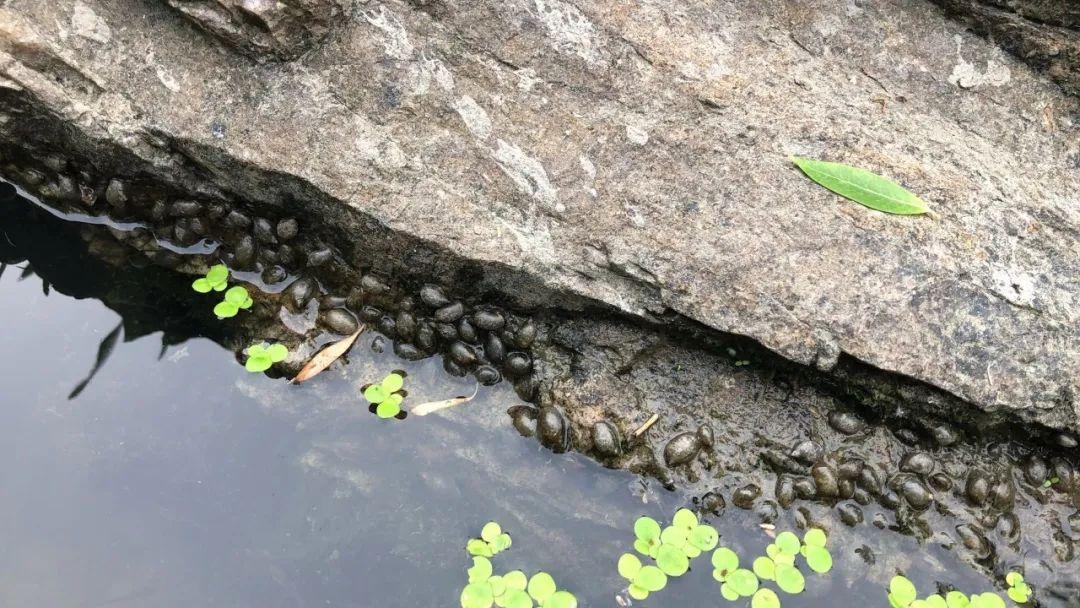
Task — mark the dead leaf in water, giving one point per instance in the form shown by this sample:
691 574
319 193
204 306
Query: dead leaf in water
433 406
325 357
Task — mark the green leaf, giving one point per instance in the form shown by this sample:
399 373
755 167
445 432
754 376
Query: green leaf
387 409
516 598
790 580
217 274
477 595
646 528
503 542
491 530
541 586
955 599
515 579
815 537
788 543
201 286
247 303
988 600
691 551
651 578
561 599
1018 595
819 560
638 593
393 383
375 393
895 603
257 350
863 187
725 560
674 536
257 364
765 598
685 518
765 568
642 546
277 352
475 546
728 592
936 601
1013 578
481 569
783 559
498 586
743 582
672 560
903 590
704 537
225 310
236 295
629 565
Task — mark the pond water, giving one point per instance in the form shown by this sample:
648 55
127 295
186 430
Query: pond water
175 478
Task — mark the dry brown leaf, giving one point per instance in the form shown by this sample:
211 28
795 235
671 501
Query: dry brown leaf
433 406
325 357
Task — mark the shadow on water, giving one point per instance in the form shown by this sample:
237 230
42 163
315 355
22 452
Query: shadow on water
175 478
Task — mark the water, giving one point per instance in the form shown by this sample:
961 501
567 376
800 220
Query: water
175 478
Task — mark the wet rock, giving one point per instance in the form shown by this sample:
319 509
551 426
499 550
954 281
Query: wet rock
159 211
1035 470
245 252
374 285
681 449
850 470
1002 494
807 452
264 231
554 431
1009 527
237 220
973 540
1066 440
287 255
185 209
767 511
116 194
446 331
453 368
1064 471
406 324
945 435
846 422
889 499
606 440
388 326
488 320
462 354
466 331
274 274
300 292
425 337
408 351
825 480
862 497
745 496
713 503
450 313
433 296
781 463
329 301
371 314
319 257
785 491
805 488
487 375
494 349
850 513
524 419
977 487
287 229
518 365
846 488
940 482
200 226
915 493
339 321
525 335
705 436
919 463
906 436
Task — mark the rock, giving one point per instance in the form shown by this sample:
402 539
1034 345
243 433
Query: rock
487 375
287 229
826 481
300 292
745 496
954 308
977 487
846 422
919 463
450 313
1035 470
850 513
264 231
116 194
340 321
785 491
807 452
524 418
681 449
488 320
915 493
554 432
606 440
462 354
433 296
705 436
319 257
517 365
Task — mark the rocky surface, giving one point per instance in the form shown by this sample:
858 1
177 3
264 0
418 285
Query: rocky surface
632 155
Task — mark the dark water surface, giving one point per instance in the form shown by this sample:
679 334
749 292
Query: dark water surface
175 478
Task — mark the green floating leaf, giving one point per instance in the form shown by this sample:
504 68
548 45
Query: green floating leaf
819 559
728 592
704 538
638 593
646 528
202 286
490 531
815 537
516 598
629 566
651 578
936 601
987 600
788 543
903 590
498 586
561 599
685 518
258 364
672 560
955 599
237 295
475 546
477 595
541 586
388 409
765 598
673 535
725 561
1014 578
481 569
393 383
743 582
225 310
790 580
503 542
516 579
765 568
863 187
217 274
277 352
1018 595
375 393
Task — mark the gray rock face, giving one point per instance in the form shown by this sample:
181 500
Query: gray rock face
623 152
266 29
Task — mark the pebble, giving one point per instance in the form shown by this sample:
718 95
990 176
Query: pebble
916 494
462 354
973 540
713 502
453 368
524 419
941 482
526 335
785 491
745 496
373 284
825 480
919 463
300 292
945 435
370 314
237 220
1067 440
805 488
518 364
406 324
185 209
388 326
606 440
487 375
681 449
850 513
340 321
553 429
1035 470
850 469
425 337
446 331
433 296
319 257
245 251
494 349
274 274
705 436
466 331
977 487
488 320
450 313
116 194
807 452
409 352
287 229
846 422
1002 494
264 231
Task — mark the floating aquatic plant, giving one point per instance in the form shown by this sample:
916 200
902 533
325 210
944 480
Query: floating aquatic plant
217 277
262 356
236 299
385 396
672 547
777 565
903 594
1051 481
510 590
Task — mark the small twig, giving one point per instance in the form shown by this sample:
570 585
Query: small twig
648 423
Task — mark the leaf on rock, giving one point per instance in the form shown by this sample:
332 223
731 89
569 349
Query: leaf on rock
863 187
